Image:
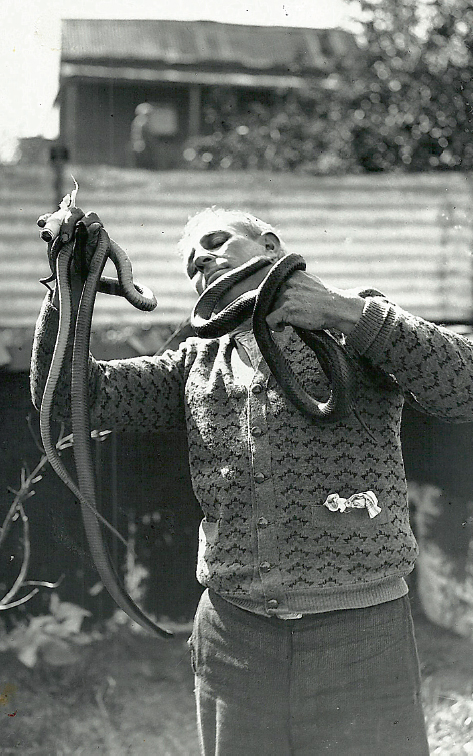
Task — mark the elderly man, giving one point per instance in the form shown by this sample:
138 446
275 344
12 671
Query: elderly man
303 640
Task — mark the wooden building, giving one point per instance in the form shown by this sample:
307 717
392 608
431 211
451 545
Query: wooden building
110 67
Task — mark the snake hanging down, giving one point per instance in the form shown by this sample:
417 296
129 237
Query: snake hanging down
84 490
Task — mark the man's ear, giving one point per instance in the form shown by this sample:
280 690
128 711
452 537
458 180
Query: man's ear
272 243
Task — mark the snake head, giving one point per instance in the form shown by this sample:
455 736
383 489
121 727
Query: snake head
87 232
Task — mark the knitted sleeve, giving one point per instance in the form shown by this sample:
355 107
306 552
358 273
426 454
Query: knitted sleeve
429 361
139 394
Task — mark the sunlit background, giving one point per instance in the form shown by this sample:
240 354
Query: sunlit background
30 51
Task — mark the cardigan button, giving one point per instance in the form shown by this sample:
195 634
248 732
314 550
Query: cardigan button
272 604
265 566
256 431
257 388
260 477
263 522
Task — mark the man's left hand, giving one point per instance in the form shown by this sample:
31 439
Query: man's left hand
305 302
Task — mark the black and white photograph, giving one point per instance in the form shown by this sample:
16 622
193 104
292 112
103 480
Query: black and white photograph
236 378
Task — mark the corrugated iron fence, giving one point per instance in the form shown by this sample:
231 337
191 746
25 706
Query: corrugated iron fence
408 235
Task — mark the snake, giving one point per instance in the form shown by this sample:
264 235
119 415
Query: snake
84 490
257 303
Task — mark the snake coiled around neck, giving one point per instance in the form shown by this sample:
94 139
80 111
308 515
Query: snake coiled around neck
258 303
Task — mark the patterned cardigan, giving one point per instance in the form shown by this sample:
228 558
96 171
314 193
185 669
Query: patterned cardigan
284 530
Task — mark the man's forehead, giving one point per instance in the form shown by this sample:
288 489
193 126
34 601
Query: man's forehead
207 228
214 226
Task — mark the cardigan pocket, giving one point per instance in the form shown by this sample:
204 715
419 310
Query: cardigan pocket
351 520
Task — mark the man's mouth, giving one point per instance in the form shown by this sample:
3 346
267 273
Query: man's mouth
214 275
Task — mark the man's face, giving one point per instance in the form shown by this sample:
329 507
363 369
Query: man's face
223 248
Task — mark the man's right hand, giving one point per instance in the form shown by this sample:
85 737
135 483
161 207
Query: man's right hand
83 229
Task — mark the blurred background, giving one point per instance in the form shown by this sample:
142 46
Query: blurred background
345 124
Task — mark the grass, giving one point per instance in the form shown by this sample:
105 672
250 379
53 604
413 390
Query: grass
132 695
447 685
126 695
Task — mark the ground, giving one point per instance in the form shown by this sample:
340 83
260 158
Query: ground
130 695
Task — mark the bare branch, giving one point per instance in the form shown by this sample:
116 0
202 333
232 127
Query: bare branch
35 438
20 495
26 559
19 601
27 480
45 583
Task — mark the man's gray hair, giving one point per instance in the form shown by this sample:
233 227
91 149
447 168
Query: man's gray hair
211 216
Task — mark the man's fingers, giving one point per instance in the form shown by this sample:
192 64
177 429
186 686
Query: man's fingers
89 219
93 231
85 227
74 214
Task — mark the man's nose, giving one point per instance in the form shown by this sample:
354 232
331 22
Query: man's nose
203 258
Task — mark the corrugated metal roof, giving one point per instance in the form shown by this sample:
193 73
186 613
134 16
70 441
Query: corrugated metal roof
409 236
205 42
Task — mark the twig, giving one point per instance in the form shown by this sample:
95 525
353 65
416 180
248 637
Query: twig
33 435
46 583
25 563
23 600
25 491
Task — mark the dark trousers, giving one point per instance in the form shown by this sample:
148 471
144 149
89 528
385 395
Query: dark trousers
344 683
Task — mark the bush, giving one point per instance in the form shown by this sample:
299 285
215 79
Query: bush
407 105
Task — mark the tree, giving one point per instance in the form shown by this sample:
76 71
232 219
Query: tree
406 105
287 132
411 107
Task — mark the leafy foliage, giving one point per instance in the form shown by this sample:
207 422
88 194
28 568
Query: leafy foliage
405 106
412 106
304 133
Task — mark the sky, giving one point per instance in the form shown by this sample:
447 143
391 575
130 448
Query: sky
30 52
